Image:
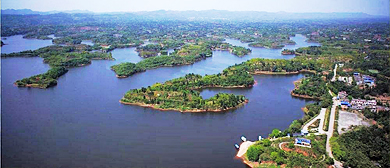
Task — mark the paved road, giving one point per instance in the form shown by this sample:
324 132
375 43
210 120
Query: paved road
321 117
280 145
331 127
330 132
334 73
331 124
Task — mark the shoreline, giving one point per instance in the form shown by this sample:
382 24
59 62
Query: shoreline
273 73
241 153
126 76
303 96
185 111
283 72
32 86
225 87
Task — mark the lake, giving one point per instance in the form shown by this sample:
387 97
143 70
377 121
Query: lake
80 122
18 43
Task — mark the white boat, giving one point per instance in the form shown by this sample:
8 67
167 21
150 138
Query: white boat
243 138
237 146
260 138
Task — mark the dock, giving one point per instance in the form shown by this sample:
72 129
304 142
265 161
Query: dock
244 147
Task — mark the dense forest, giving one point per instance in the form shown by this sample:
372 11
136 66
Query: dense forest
240 51
313 86
50 50
280 66
181 93
288 52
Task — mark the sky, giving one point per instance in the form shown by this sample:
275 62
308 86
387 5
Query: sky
373 7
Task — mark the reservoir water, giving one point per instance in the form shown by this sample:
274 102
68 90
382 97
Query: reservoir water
80 123
18 43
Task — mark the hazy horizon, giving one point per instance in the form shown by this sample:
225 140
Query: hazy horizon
374 7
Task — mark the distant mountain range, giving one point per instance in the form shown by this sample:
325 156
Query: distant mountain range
211 15
31 12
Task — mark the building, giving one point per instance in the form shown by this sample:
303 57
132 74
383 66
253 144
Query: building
382 108
345 79
355 104
297 134
342 95
344 101
303 142
364 79
304 132
361 104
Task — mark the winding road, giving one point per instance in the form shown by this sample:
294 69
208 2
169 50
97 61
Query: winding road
320 117
330 131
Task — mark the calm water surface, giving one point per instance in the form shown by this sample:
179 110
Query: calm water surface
18 43
87 42
80 123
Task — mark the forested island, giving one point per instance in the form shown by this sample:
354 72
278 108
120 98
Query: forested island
288 52
272 42
59 58
239 51
181 94
187 54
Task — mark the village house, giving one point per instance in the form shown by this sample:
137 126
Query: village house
344 79
364 79
342 95
358 104
361 104
344 101
303 142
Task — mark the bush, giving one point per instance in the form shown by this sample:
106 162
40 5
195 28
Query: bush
338 153
291 145
275 133
266 142
265 157
329 161
254 152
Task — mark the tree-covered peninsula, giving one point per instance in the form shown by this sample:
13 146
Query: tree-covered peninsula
44 80
181 94
282 66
